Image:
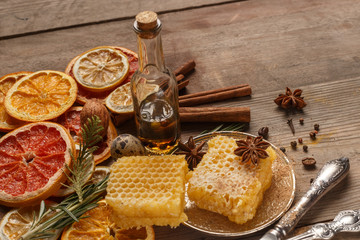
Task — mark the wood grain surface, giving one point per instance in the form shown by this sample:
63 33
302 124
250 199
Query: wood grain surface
312 45
19 17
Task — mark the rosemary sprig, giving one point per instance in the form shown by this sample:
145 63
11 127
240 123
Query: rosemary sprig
85 196
66 212
81 169
231 127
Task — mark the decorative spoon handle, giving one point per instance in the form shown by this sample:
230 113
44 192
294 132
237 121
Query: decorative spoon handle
345 221
331 174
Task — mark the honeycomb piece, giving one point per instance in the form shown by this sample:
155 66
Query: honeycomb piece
222 183
148 190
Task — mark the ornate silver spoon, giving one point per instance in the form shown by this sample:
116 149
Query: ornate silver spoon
331 174
345 221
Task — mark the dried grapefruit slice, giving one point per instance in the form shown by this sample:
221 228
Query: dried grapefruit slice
98 225
17 222
41 96
8 123
32 163
101 69
84 94
71 121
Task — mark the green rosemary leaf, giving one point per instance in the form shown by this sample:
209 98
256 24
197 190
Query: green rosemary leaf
43 236
42 209
70 214
34 219
234 127
231 127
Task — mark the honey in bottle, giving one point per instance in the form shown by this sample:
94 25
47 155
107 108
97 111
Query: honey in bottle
154 89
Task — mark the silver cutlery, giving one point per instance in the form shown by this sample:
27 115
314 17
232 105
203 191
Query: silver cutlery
331 174
345 221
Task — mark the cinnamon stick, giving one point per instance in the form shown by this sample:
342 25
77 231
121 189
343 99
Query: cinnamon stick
214 95
183 84
214 114
186 68
179 78
180 74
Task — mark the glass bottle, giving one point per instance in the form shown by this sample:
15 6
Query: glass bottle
154 89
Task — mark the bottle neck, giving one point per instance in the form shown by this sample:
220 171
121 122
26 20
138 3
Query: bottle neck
150 50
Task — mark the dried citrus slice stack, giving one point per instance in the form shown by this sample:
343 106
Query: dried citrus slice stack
18 221
99 225
84 93
8 123
101 69
32 162
41 96
71 121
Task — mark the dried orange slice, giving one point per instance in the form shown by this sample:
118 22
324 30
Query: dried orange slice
8 123
41 96
84 94
71 121
18 221
99 225
32 163
101 69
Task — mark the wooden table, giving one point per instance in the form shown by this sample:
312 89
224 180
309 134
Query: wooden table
312 45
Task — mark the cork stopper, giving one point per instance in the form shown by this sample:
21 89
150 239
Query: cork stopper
146 20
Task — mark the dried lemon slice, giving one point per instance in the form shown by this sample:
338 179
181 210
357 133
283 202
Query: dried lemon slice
18 221
101 69
120 100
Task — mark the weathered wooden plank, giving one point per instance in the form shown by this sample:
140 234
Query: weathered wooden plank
265 44
20 17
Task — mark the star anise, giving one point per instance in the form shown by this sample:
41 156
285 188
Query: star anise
193 153
252 149
291 99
